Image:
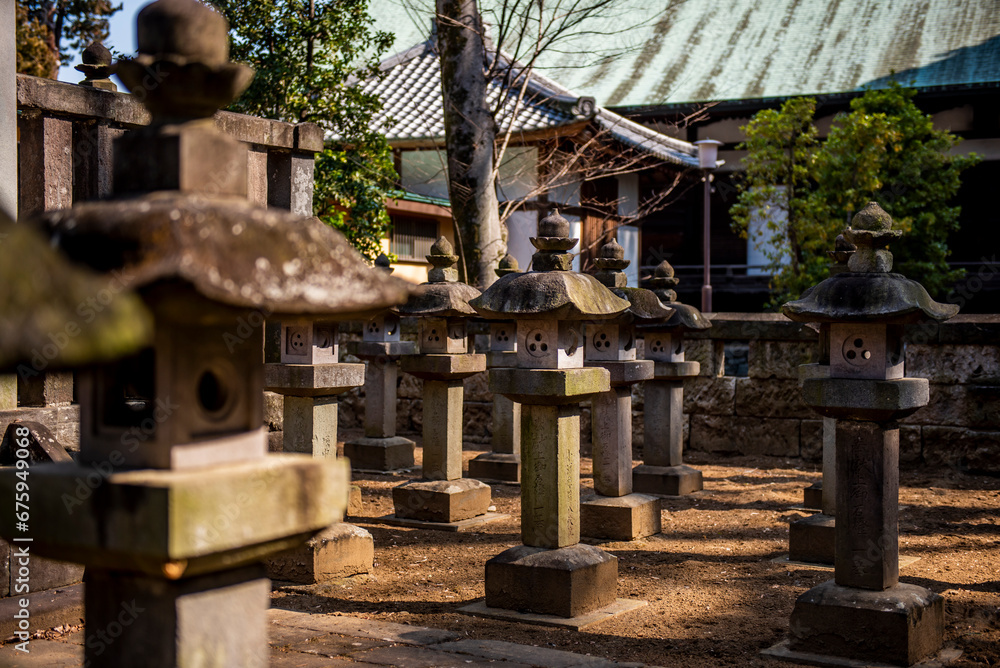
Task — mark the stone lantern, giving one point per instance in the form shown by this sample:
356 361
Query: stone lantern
663 470
865 613
812 539
97 67
442 499
551 573
615 512
184 503
380 449
504 463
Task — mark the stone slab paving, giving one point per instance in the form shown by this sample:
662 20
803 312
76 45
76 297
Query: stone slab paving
303 640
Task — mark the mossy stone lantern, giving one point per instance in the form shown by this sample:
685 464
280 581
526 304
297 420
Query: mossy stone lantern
551 573
503 464
663 470
616 512
443 498
865 613
188 504
380 449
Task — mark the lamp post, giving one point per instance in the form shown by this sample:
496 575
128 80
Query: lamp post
708 152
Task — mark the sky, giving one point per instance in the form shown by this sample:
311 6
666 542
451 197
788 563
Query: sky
120 39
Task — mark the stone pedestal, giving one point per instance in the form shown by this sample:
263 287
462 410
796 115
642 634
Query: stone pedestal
504 463
566 582
551 573
900 625
381 449
812 539
663 471
310 427
812 496
614 512
442 498
337 552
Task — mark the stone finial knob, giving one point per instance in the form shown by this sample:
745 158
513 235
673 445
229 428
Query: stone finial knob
97 66
612 250
183 67
382 262
664 270
872 237
610 263
553 225
96 54
872 217
443 259
508 265
842 250
663 281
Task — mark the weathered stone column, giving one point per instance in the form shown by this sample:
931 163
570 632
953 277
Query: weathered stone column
187 502
813 539
442 499
8 152
663 470
504 463
615 512
381 449
551 573
865 613
310 377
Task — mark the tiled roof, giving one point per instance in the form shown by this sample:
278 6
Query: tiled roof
674 51
413 109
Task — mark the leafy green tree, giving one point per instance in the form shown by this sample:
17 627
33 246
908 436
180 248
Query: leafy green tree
50 31
885 150
308 54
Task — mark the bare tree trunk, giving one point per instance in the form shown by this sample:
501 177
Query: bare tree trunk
470 133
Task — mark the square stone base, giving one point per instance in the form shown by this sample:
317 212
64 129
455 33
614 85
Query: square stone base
337 552
441 500
812 539
566 582
812 496
901 625
380 454
666 480
137 620
620 518
496 467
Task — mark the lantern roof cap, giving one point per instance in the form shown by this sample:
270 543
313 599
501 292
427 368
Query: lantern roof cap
43 296
229 250
868 297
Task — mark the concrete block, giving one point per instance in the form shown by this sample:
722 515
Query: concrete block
566 582
973 406
380 454
812 539
770 399
666 480
310 426
620 518
45 389
812 496
863 399
337 552
779 359
496 466
972 450
441 500
710 396
313 380
953 364
900 625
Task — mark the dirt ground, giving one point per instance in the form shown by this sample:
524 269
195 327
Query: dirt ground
715 597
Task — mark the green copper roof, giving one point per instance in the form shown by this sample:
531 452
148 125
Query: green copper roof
655 53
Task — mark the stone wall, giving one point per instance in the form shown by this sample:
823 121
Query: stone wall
756 408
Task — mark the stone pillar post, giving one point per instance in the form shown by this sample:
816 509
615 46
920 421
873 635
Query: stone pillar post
381 449
551 573
615 512
310 378
504 463
663 471
442 499
865 614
